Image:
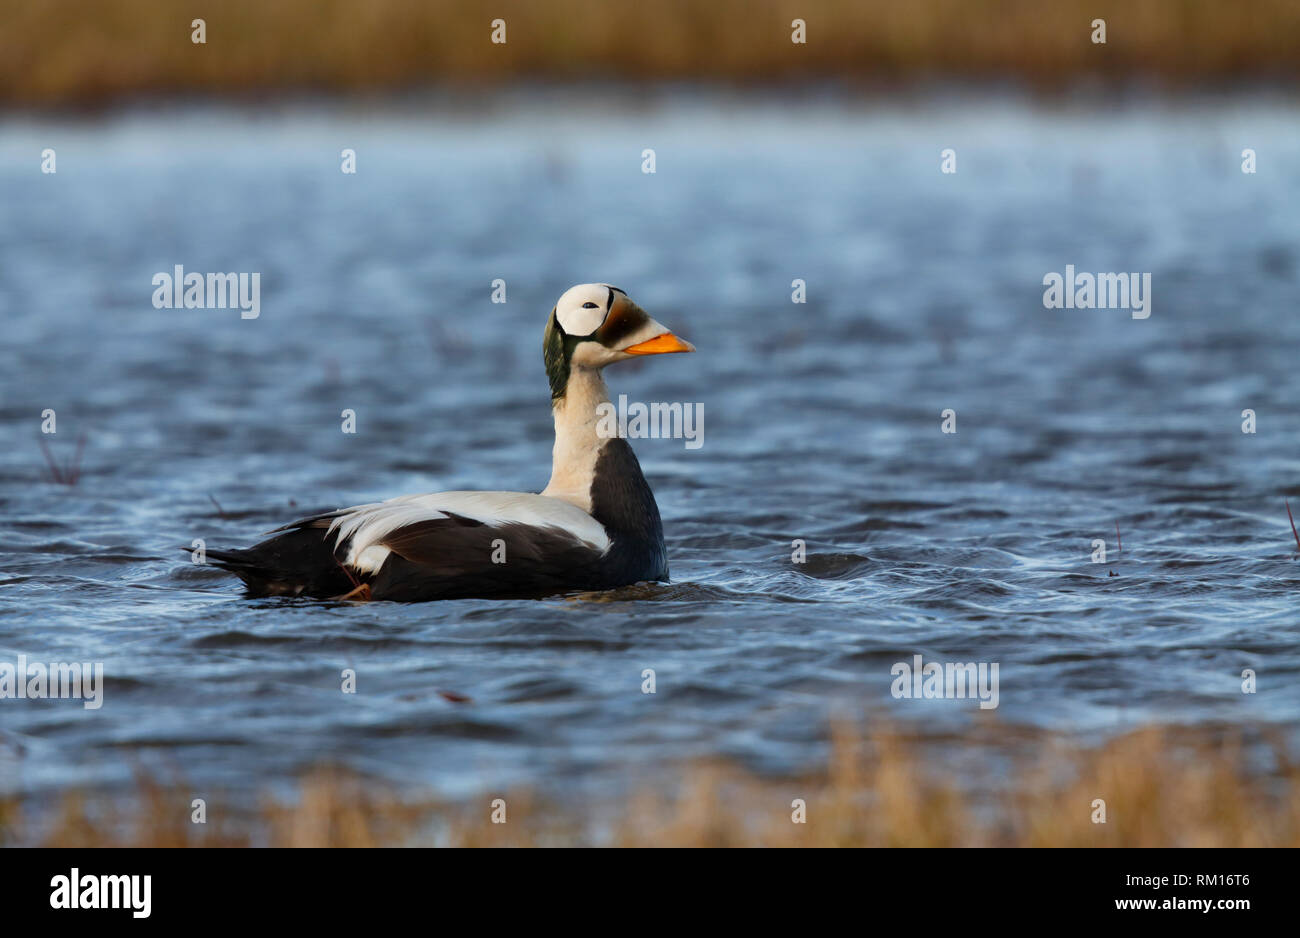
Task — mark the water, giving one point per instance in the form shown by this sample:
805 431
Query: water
822 423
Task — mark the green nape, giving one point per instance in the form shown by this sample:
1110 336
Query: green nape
557 347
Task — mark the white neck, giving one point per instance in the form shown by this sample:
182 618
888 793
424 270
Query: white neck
577 444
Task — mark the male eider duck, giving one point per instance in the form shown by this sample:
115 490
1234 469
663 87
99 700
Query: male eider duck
594 527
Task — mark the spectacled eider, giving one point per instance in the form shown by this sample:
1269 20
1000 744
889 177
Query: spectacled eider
594 527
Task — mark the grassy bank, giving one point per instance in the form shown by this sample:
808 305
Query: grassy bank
1161 787
68 52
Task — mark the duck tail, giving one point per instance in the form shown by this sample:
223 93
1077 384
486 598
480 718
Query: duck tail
298 562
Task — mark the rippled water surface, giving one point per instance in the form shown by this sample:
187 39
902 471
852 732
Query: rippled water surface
822 423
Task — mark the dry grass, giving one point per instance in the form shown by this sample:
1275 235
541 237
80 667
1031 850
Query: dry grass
68 52
69 473
1161 787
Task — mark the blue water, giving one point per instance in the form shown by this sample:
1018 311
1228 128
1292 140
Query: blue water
822 423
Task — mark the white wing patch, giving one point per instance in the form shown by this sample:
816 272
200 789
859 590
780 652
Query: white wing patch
368 525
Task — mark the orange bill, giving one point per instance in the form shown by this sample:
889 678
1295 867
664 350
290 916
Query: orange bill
659 345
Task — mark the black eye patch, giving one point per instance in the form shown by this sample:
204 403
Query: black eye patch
588 305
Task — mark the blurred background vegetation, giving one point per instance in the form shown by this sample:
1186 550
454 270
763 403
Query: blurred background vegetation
1162 787
73 53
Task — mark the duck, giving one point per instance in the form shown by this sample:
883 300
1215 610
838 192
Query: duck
595 526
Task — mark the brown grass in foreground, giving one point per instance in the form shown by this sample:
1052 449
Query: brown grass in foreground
69 52
1161 787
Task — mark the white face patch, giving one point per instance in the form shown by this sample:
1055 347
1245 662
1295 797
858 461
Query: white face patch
582 309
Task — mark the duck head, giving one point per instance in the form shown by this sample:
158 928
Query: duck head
594 325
